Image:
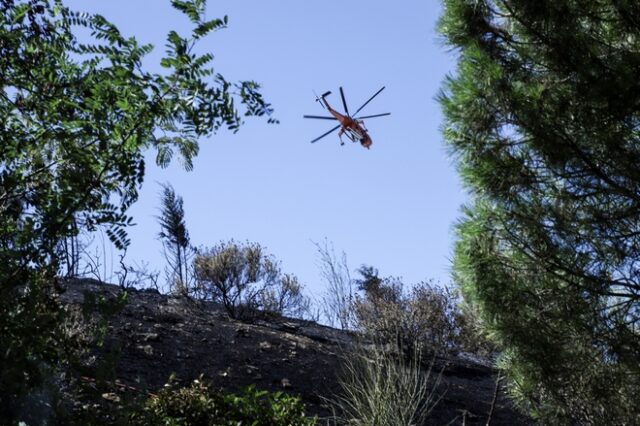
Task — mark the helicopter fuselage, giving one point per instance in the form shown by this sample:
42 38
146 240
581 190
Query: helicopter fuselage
354 129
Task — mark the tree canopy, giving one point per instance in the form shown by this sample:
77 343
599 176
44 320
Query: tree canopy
76 117
543 121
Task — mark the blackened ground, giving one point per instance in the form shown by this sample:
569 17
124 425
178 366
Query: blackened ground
156 335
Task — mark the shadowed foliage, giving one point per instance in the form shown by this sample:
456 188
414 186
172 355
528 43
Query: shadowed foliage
76 118
543 122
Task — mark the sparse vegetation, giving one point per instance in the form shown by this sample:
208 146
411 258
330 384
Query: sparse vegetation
178 251
428 318
246 280
155 335
337 301
379 386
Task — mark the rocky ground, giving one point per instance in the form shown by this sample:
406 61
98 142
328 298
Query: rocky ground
156 335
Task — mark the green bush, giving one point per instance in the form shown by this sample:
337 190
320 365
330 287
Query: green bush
199 405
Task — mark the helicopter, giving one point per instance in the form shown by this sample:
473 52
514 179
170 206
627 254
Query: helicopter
352 126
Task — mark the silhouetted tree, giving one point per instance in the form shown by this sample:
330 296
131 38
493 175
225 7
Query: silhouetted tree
175 240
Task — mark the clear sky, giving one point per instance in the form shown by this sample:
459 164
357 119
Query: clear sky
392 207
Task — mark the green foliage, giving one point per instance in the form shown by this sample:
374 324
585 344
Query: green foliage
75 121
245 279
200 405
542 118
31 343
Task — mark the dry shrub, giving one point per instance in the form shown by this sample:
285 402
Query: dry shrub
246 281
428 318
337 302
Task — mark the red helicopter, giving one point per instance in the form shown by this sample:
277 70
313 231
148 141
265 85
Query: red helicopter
353 127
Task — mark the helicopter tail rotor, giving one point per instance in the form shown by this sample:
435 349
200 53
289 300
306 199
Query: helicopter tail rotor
321 98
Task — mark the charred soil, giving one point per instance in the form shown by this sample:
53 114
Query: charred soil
154 336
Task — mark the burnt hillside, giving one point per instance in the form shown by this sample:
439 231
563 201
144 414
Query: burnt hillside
155 335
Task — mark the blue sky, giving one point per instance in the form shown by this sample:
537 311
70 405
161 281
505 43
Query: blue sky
392 207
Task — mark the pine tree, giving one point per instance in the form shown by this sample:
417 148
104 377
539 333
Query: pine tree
543 121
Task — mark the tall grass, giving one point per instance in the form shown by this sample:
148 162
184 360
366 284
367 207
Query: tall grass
381 388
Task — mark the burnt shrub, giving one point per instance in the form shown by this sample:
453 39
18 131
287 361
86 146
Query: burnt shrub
428 317
246 280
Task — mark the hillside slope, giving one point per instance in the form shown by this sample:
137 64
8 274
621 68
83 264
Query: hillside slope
156 335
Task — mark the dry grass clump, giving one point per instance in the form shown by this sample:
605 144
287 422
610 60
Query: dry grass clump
381 387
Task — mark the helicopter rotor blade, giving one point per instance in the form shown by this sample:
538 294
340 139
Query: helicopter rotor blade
325 134
344 102
319 116
375 115
370 99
